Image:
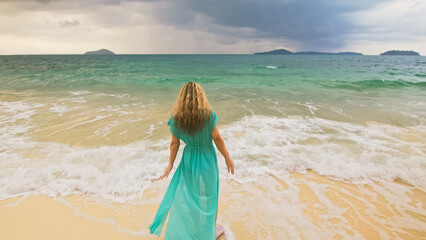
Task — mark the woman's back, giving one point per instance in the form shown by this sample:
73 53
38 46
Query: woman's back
200 138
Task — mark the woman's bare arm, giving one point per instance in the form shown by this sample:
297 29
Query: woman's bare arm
174 147
220 144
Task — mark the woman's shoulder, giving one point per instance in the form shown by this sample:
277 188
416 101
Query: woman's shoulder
212 119
212 115
171 120
212 112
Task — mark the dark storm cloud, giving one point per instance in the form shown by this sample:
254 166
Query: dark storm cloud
312 24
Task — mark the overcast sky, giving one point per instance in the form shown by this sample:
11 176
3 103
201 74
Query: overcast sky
211 26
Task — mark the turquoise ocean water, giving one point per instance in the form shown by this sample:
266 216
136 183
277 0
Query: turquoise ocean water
97 125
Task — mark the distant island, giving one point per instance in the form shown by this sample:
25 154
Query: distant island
100 52
287 52
275 52
401 53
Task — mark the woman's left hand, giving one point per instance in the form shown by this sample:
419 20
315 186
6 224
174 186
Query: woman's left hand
167 171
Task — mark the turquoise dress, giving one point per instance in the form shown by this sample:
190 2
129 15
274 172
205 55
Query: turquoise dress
192 196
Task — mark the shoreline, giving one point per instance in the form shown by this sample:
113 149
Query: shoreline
294 206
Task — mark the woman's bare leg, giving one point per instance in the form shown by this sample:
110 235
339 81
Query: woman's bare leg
215 221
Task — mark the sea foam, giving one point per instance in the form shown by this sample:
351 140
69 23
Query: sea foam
258 144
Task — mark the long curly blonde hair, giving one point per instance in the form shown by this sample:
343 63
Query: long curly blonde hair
191 109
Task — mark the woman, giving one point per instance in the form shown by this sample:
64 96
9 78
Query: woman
192 196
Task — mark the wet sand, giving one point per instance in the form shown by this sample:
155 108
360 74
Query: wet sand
293 206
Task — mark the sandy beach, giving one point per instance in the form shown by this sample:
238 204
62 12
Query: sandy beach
297 206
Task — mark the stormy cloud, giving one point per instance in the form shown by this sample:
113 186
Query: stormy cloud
311 23
213 26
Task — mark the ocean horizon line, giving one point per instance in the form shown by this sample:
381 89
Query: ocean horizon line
217 54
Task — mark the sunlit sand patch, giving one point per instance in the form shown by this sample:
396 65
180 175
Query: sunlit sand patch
341 210
92 123
295 206
98 127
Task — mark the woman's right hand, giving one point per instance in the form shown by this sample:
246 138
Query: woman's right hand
167 171
230 165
